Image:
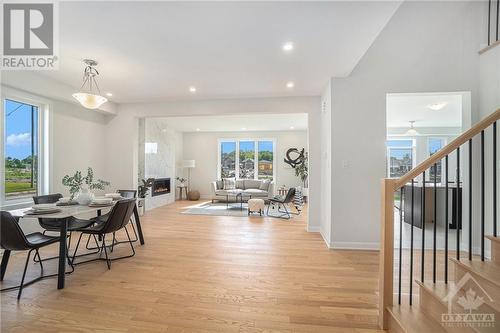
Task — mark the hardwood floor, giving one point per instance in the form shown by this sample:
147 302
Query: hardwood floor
205 274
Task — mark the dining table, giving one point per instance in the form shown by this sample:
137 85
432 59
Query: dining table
66 213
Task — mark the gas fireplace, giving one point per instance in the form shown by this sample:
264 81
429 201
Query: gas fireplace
160 186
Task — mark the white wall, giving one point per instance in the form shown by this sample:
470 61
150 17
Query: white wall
203 148
122 134
326 162
426 47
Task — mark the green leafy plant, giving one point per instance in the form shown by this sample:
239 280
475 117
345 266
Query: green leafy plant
302 170
76 182
181 180
144 188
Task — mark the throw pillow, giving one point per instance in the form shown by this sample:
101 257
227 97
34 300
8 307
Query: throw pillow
220 184
240 184
265 185
229 183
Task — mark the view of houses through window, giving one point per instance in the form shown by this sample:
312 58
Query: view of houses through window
21 149
434 145
238 159
400 154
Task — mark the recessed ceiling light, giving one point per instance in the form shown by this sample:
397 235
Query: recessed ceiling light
197 130
437 106
290 84
109 94
291 127
192 89
288 47
243 128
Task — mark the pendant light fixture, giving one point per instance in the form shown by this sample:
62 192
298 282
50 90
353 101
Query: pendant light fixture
89 95
412 131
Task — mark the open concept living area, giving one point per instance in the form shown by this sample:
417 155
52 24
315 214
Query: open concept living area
250 166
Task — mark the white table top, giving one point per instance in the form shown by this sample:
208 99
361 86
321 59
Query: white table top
66 211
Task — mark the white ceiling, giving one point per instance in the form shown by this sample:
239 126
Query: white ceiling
238 123
402 108
153 51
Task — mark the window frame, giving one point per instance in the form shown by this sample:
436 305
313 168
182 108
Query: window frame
44 134
444 142
388 151
237 157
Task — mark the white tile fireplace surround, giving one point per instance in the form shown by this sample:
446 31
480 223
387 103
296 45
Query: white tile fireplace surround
158 146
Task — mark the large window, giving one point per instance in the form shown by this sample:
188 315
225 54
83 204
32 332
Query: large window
434 144
246 159
400 157
23 166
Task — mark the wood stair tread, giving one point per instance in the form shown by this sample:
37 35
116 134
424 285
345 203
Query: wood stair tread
493 238
412 320
440 290
488 270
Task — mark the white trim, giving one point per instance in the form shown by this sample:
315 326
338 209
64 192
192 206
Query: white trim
43 132
324 239
313 228
355 246
237 157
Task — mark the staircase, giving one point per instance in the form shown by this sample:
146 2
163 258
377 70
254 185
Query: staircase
452 285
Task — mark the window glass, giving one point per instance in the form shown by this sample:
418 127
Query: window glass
247 159
21 150
434 145
265 159
228 159
400 161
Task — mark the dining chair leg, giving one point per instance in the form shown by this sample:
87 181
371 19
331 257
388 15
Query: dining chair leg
24 275
130 242
108 262
113 242
76 248
5 261
37 254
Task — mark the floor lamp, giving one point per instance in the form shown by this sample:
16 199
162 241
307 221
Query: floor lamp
188 164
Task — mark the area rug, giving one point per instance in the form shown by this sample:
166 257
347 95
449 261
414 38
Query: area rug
218 209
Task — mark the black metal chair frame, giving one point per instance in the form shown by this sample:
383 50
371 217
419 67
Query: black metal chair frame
285 213
5 260
104 247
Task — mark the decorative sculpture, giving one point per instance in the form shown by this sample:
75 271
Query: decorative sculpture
293 162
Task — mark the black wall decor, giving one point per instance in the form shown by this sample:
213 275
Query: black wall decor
299 157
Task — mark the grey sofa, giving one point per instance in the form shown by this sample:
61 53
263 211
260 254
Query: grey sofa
248 187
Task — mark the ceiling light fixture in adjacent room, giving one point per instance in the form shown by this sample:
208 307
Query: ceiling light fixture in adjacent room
437 106
412 131
192 89
243 128
197 130
290 85
288 47
89 95
292 128
109 94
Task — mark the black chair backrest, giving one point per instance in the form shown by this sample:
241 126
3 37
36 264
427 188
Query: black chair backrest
119 215
290 195
128 193
44 199
11 236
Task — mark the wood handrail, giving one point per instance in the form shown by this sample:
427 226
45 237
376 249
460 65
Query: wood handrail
446 150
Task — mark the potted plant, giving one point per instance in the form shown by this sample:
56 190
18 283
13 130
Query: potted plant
143 192
81 187
182 181
302 171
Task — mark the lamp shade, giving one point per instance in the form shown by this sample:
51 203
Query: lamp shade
188 163
90 101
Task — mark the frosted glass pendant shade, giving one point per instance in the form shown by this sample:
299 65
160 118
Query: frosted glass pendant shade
90 101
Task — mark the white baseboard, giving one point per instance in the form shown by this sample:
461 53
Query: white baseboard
355 246
313 228
324 239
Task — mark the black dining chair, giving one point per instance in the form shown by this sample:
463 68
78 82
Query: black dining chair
282 202
12 238
118 218
127 194
50 224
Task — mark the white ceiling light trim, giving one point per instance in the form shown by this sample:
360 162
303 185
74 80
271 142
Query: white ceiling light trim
290 84
192 89
288 47
437 106
412 131
89 95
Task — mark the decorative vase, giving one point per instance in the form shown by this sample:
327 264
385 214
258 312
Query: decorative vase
85 197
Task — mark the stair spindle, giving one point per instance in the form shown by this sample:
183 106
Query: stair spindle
446 220
411 237
435 227
458 204
482 195
495 167
422 259
400 242
470 199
